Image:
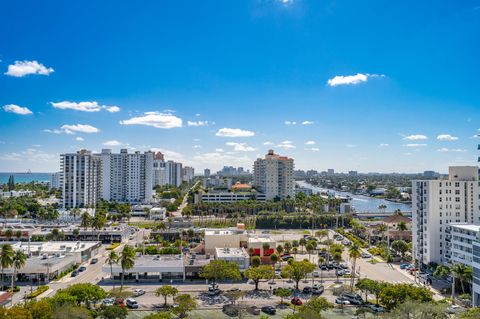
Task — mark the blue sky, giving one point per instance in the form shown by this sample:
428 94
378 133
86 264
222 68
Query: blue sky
351 85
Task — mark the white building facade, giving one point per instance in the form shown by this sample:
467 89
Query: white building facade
438 203
273 176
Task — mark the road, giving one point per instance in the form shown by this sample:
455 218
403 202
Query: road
178 212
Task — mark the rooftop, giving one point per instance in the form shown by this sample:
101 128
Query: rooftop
231 252
54 246
465 226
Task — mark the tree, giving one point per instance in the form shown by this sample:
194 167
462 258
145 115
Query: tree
313 308
86 220
280 250
310 249
165 292
441 272
256 261
159 315
98 222
41 309
127 261
114 312
287 247
302 242
185 304
393 295
401 226
382 228
72 312
220 270
473 313
18 261
297 270
86 293
353 253
282 293
9 233
371 286
6 259
462 273
258 273
420 310
400 247
112 259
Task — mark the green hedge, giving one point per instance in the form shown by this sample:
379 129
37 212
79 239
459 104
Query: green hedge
354 239
38 292
113 246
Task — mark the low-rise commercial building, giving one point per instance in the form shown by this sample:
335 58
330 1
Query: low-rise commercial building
152 267
106 235
235 255
229 197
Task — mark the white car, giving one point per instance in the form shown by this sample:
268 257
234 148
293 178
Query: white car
108 302
138 292
366 255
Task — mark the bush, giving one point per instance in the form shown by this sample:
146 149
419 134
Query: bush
113 246
354 239
38 292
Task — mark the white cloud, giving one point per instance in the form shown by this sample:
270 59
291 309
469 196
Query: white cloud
197 146
310 143
79 128
220 158
446 137
286 145
415 137
240 147
290 123
155 119
415 145
351 79
350 145
197 123
113 109
384 145
22 68
234 132
308 122
86 106
220 150
268 143
457 150
79 139
54 131
32 155
12 108
313 149
112 143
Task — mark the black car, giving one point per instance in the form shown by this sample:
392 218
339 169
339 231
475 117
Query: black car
307 290
74 273
269 310
82 268
323 267
94 261
355 299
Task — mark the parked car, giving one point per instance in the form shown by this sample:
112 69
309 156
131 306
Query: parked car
346 272
404 266
340 272
343 265
307 290
269 310
82 268
74 273
376 308
316 274
119 302
131 303
138 292
213 291
454 309
317 289
342 301
296 301
346 242
354 299
366 255
94 261
108 302
286 257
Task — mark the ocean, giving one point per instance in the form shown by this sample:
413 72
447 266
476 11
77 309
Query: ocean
26 177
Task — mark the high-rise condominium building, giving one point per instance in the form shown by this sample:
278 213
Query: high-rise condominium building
122 177
159 172
436 204
273 176
173 173
188 173
127 177
206 172
80 179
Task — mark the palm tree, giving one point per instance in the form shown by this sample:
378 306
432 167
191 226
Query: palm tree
280 250
287 247
302 242
112 259
354 253
463 273
265 248
402 226
309 248
18 261
274 259
382 228
127 260
97 223
6 258
86 220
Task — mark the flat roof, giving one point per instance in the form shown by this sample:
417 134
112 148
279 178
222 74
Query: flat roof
263 239
152 263
465 226
54 246
231 252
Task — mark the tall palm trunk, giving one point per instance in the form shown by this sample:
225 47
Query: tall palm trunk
121 285
13 276
111 275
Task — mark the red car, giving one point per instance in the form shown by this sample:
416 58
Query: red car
296 301
119 302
